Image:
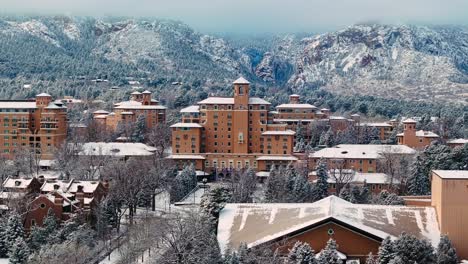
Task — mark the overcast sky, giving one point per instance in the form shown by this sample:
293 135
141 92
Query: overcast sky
255 16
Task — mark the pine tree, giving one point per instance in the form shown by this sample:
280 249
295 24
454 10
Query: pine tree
446 253
410 249
14 229
301 253
3 242
418 181
19 251
140 127
345 193
214 201
327 138
320 189
386 251
329 254
399 260
275 186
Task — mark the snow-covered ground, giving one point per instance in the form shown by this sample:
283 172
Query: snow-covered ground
4 261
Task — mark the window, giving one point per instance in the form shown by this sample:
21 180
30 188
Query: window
33 222
241 90
207 163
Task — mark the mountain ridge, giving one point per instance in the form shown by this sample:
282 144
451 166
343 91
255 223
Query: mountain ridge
413 62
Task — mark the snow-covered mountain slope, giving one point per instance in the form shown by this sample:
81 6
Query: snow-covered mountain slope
391 61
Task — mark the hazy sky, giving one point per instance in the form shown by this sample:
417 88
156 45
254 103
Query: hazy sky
254 16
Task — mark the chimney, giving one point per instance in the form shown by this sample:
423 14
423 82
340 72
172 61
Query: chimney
56 187
41 179
294 99
146 98
80 195
58 204
449 193
356 118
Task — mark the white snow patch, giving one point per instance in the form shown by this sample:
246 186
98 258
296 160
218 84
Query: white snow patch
245 214
394 54
272 215
388 212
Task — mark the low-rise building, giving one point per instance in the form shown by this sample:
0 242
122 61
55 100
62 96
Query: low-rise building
357 157
459 142
357 228
127 112
416 139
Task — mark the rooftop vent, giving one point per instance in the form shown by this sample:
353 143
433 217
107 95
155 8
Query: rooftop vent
344 152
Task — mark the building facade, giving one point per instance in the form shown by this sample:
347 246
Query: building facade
413 138
225 133
128 112
37 125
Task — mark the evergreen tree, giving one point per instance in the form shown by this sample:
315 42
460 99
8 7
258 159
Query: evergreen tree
301 253
14 229
140 129
19 251
327 138
275 186
183 183
399 260
320 188
214 201
386 251
386 198
329 254
418 181
410 249
345 193
3 242
446 253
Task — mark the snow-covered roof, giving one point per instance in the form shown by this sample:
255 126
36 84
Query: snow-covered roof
187 125
293 120
241 80
146 92
100 116
100 112
54 106
136 105
186 157
337 118
257 223
47 163
371 178
127 113
422 133
70 186
279 133
452 174
279 157
294 95
375 124
230 100
294 106
409 120
263 174
136 93
191 109
118 149
357 151
43 95
256 100
19 183
18 104
458 141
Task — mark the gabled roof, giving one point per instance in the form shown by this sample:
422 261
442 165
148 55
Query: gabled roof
257 223
70 186
43 95
241 80
146 92
100 112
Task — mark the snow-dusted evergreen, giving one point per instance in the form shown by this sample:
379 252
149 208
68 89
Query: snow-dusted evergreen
329 254
320 188
301 253
446 253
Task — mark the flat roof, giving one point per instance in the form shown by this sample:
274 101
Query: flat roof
361 151
186 157
287 158
303 106
230 100
191 109
452 174
458 141
188 125
279 133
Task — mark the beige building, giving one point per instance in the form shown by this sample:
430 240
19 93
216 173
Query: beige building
416 139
